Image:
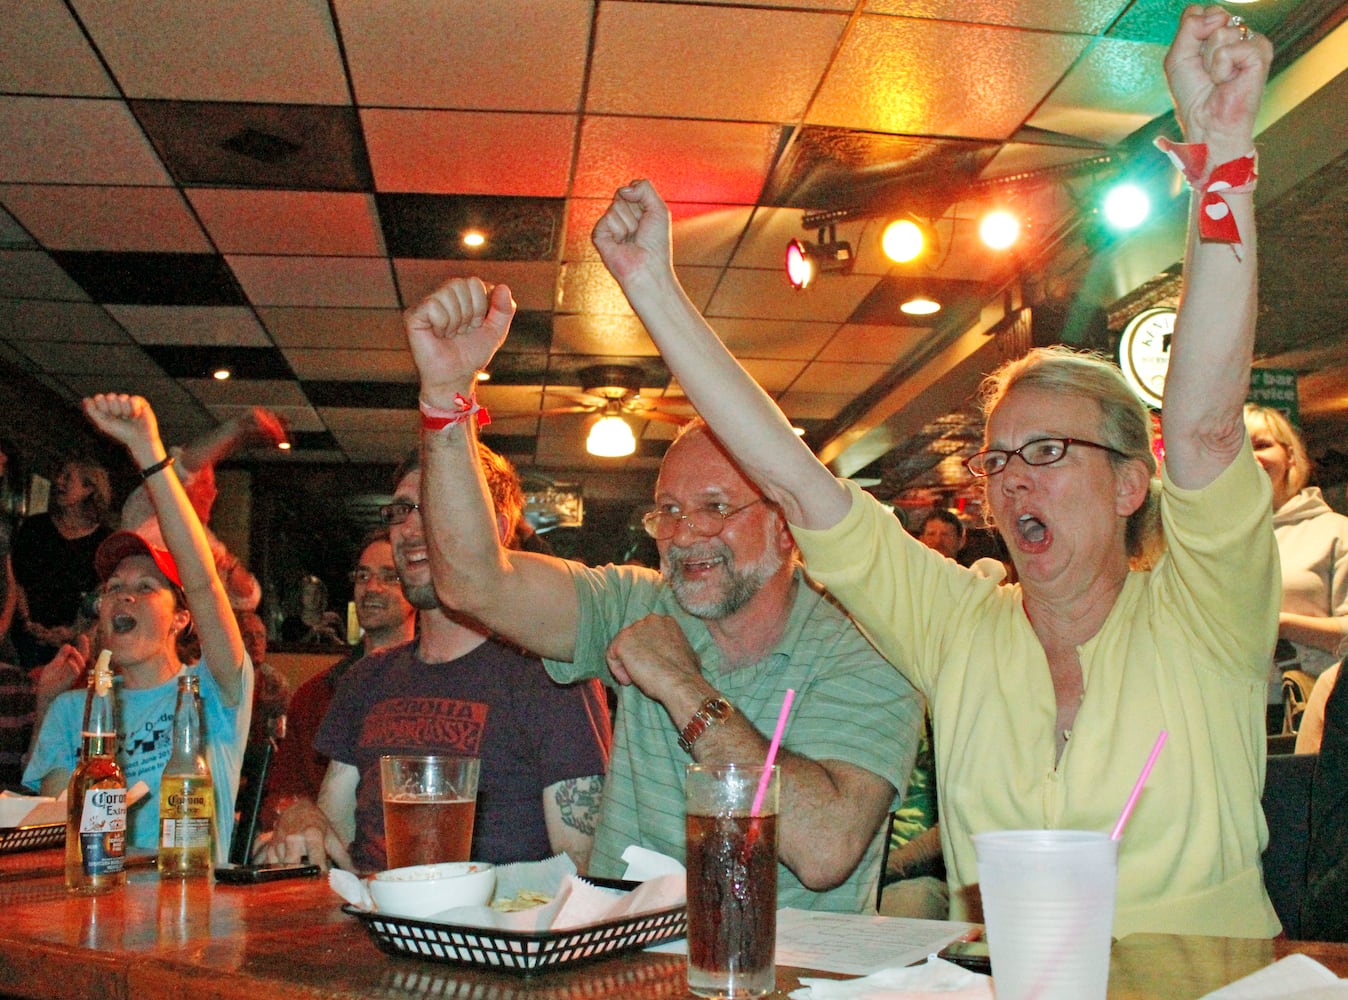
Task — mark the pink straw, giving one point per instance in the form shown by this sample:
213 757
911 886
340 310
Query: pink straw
772 751
1137 788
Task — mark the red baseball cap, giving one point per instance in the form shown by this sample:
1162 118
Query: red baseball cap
121 544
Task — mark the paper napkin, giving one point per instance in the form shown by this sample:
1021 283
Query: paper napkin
1296 977
935 978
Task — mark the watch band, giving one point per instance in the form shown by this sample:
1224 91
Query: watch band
710 713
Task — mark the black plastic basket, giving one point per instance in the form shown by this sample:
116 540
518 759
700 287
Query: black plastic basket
523 952
30 838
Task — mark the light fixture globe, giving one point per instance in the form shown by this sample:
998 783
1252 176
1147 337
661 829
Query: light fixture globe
611 437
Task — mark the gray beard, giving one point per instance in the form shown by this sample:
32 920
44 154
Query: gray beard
741 586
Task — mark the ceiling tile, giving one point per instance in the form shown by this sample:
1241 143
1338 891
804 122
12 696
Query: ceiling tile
773 376
882 304
258 145
75 142
834 377
316 281
111 360
246 364
813 405
299 420
584 333
720 163
375 366
79 322
876 344
465 152
276 394
12 235
380 447
1116 89
76 217
153 279
156 388
31 273
1086 17
43 51
340 420
310 223
532 283
363 395
352 329
235 326
431 226
753 293
796 340
770 80
251 50
922 77
440 63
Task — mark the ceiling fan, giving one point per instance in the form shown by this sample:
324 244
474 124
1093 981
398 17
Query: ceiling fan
614 393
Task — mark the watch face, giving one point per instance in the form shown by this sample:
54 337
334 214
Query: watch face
1144 353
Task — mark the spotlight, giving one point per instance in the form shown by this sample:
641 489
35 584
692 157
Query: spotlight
473 238
805 260
221 374
1126 206
999 229
903 240
920 305
611 437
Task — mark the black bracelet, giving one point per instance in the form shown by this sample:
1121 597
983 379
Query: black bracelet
157 467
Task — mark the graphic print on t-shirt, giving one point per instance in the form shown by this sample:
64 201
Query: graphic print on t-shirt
145 750
442 725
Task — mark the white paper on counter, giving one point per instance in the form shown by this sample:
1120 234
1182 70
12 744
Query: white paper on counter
935 978
854 944
1296 977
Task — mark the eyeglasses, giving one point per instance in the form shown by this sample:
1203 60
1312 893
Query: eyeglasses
1041 451
364 576
705 521
397 512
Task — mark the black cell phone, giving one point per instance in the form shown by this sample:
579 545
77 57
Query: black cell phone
972 955
255 874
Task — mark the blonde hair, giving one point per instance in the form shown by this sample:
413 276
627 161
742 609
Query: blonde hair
1281 430
1125 424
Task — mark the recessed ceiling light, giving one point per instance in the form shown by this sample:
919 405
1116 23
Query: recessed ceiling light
283 445
220 374
920 305
484 376
474 238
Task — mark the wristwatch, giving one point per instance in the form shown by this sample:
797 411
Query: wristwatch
709 713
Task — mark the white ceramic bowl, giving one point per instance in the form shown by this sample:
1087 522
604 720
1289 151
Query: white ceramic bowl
422 890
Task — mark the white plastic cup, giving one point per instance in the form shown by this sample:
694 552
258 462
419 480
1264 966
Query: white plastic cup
1048 911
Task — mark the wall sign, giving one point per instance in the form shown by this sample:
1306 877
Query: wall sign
1144 353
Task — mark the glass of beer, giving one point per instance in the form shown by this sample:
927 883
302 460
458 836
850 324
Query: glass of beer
429 805
731 857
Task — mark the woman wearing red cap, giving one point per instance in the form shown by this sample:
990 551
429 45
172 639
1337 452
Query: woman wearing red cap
151 602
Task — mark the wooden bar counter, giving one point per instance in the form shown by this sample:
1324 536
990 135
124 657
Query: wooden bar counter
198 940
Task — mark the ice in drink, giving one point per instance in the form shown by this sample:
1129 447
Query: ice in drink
419 830
732 904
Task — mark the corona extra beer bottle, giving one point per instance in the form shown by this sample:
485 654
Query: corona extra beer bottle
96 796
186 794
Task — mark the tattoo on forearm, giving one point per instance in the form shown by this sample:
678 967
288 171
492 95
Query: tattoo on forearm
579 801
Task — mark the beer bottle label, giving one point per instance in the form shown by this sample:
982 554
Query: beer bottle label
103 831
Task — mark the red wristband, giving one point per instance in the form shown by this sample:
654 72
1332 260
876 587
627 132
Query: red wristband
435 419
1238 176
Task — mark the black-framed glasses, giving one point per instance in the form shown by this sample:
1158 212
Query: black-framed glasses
704 521
364 576
397 512
1040 451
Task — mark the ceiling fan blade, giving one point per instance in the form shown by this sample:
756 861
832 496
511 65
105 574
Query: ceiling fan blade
535 414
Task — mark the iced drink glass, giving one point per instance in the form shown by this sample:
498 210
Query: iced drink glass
731 857
1048 910
429 805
